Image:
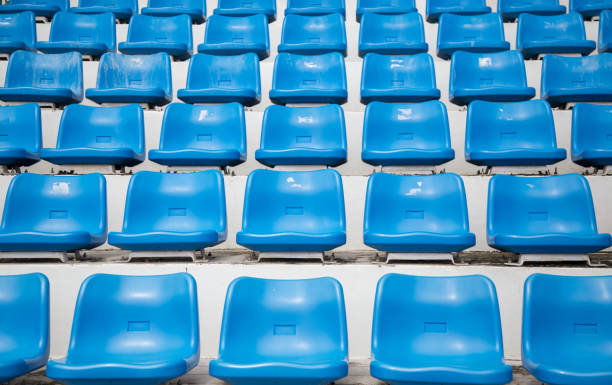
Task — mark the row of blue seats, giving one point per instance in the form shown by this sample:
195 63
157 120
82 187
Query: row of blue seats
145 330
496 77
300 211
497 134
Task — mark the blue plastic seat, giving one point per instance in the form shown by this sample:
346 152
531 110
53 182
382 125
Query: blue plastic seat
577 79
196 9
306 34
43 78
303 136
223 79
122 9
389 7
227 35
416 214
54 213
407 78
406 134
17 32
87 34
511 134
153 34
309 79
565 334
173 211
470 33
552 34
283 332
430 330
605 31
24 326
288 211
131 330
193 135
511 9
133 79
592 135
401 34
114 136
246 8
589 8
550 215
315 7
20 135
40 8
493 77
435 8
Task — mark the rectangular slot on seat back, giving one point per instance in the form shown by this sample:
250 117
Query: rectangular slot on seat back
284 330
85 37
139 326
507 134
303 139
585 328
414 214
58 214
103 139
405 136
538 215
294 210
204 138
177 212
435 327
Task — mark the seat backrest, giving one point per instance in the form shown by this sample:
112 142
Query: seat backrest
455 4
169 29
132 4
255 4
135 318
605 28
567 318
469 28
429 320
135 71
369 4
294 201
185 202
55 204
313 29
205 127
242 30
576 72
24 325
560 204
187 4
63 5
591 127
18 27
102 127
483 70
400 204
318 4
83 28
503 5
406 71
224 72
20 127
284 321
381 28
568 27
393 126
292 71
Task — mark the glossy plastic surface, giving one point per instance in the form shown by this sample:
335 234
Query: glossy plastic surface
17 32
20 135
246 8
511 9
315 7
42 8
605 31
435 8
589 8
153 34
227 35
122 9
390 7
401 34
313 34
471 33
592 135
196 9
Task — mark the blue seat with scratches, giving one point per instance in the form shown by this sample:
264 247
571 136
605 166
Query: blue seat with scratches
196 9
231 35
307 34
402 34
20 135
17 32
435 8
41 8
122 9
153 34
315 7
511 9
592 135
246 8
470 33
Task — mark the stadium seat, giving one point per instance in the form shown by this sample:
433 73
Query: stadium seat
196 9
54 213
17 32
43 78
303 136
401 34
40 8
24 326
133 79
20 135
315 7
389 7
589 8
153 34
511 9
309 79
131 330
592 135
430 330
435 8
211 135
562 34
406 134
470 33
114 136
511 134
565 335
223 79
416 214
173 211
577 79
313 34
293 211
227 35
283 332
493 77
407 78
122 9
550 215
246 8
91 35
605 31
